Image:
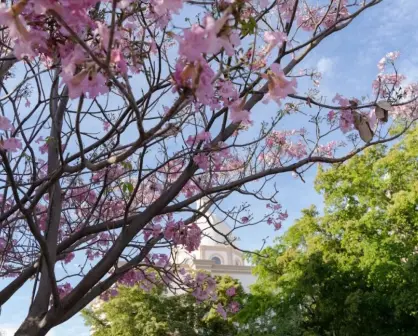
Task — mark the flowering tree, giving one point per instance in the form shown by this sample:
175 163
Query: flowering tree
116 116
135 312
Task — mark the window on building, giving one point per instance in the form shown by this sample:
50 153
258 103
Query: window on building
216 260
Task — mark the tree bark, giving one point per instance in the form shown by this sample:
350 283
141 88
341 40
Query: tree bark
33 326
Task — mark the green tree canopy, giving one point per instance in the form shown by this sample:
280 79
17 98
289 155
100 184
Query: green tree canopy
134 312
352 270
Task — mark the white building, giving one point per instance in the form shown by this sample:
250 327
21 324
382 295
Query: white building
215 254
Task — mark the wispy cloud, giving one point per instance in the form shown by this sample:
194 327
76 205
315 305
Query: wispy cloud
326 66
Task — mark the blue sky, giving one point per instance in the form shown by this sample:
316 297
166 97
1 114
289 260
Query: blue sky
348 63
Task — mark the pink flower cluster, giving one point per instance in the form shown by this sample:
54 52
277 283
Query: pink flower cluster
231 291
181 234
234 307
113 173
161 11
69 257
8 144
273 39
64 289
277 216
385 83
207 40
132 277
229 97
329 149
280 147
203 285
310 18
215 161
278 86
202 136
390 58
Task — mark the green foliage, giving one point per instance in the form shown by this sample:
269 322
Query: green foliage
354 269
134 312
127 188
248 27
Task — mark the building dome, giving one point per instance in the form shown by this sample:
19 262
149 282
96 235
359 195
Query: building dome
214 231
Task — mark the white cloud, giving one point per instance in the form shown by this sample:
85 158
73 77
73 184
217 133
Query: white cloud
325 65
7 331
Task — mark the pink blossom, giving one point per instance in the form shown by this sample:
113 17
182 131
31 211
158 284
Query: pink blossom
69 257
221 311
389 58
119 61
217 41
381 64
187 235
199 40
103 32
64 289
202 160
234 307
11 144
331 116
229 42
132 277
106 125
385 82
200 294
280 146
263 3
5 244
238 114
231 291
277 225
279 87
44 148
286 8
11 18
193 43
274 39
227 92
202 136
245 220
201 277
163 7
205 92
90 84
161 260
342 101
328 149
5 124
308 17
393 55
161 11
346 121
198 74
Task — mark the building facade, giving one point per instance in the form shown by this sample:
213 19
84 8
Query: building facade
217 252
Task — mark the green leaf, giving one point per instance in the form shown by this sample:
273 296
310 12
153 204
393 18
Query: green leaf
248 27
127 165
127 187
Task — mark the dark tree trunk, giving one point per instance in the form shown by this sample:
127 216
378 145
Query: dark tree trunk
33 326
